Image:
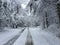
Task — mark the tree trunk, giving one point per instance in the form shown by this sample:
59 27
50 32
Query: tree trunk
58 8
46 20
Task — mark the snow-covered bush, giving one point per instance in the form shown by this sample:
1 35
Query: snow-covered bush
54 29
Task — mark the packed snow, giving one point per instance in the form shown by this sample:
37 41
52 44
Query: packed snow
39 37
7 34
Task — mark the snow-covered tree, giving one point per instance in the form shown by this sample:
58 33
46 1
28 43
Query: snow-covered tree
47 9
1 14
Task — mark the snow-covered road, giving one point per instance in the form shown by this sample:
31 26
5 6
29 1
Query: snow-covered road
41 37
8 34
12 40
35 36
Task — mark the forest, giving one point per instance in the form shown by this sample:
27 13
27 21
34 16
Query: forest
40 14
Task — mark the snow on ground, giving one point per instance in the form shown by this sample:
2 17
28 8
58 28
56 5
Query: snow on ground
54 29
41 37
8 34
21 40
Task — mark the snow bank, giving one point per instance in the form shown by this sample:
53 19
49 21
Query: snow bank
41 37
54 29
8 34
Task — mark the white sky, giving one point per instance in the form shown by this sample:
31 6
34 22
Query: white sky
23 3
23 6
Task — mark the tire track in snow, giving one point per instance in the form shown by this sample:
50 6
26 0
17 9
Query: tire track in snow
11 41
29 40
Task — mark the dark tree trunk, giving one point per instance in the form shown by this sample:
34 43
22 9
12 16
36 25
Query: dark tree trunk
58 8
46 19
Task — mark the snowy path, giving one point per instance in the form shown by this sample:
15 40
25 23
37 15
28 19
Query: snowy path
8 34
11 41
24 39
34 36
21 40
41 37
29 40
